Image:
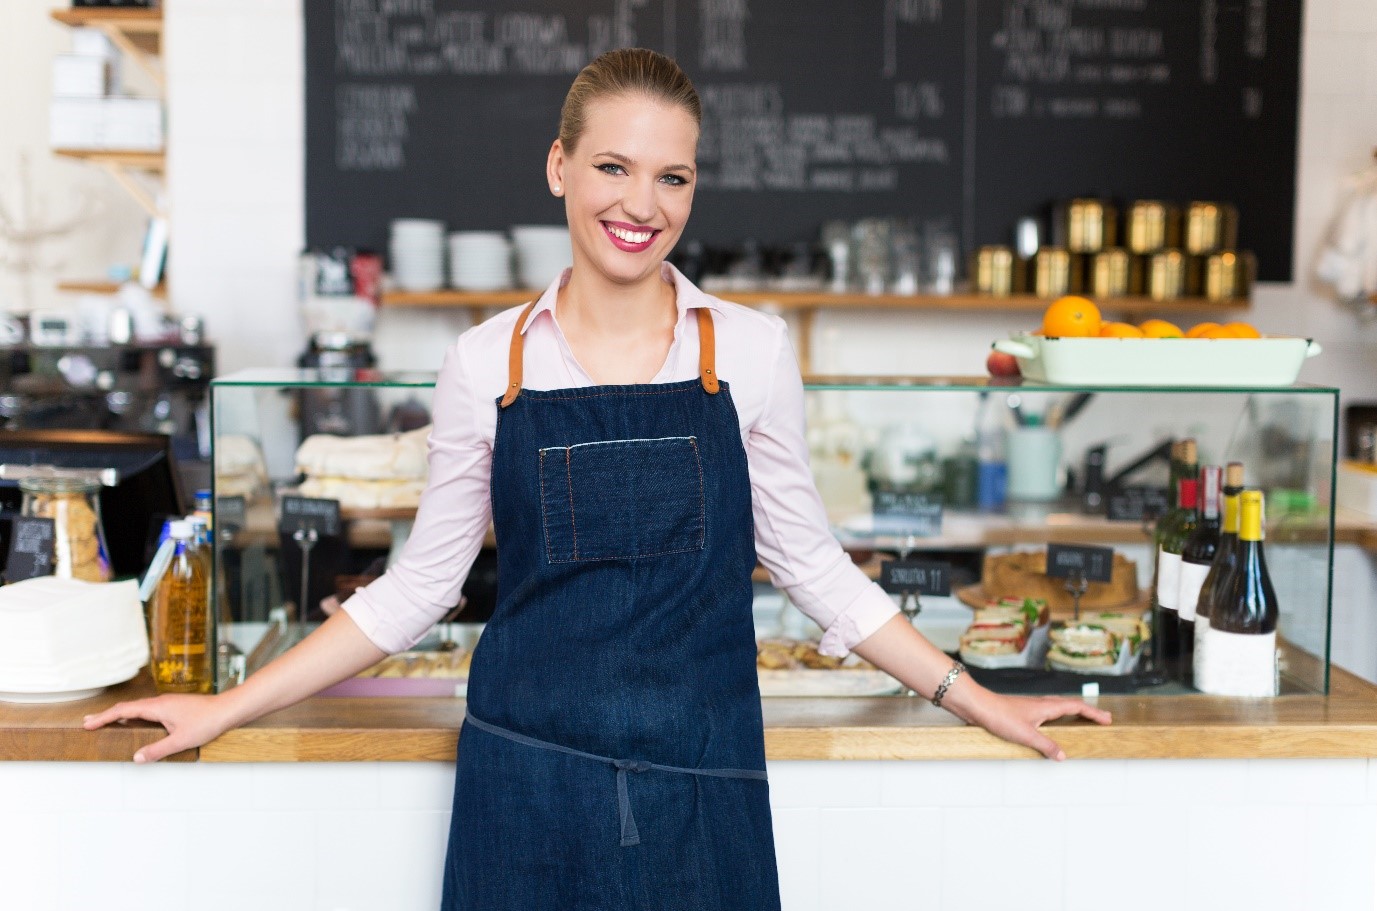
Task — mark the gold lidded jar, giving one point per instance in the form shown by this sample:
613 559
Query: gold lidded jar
1088 225
994 270
1210 226
1166 275
1109 273
1228 275
73 504
1151 225
1053 273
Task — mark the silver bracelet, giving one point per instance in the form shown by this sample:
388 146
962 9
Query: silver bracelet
956 668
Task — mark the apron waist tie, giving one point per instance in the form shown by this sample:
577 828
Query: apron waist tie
630 834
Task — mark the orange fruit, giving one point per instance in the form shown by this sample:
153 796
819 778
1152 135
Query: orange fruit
1071 317
1242 330
1202 330
1220 332
1160 328
1120 330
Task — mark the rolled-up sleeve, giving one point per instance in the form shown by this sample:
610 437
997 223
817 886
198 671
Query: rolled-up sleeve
792 538
397 609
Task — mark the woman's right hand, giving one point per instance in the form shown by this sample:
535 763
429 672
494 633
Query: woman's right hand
190 721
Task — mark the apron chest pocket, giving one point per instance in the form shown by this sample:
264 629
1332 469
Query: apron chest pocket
621 499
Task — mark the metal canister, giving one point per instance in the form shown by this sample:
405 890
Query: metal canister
1166 275
1210 226
1109 273
1228 275
1090 225
1151 225
1052 274
994 270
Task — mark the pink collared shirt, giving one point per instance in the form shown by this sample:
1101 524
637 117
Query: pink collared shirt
792 540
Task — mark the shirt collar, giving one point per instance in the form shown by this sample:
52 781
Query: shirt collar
687 295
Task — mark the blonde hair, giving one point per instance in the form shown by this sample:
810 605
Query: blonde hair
625 71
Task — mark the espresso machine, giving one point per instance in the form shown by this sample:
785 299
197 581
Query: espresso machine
341 410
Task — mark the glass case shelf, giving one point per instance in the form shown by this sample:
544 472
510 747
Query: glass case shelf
883 450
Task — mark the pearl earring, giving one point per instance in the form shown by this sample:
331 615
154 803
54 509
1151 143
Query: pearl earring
556 189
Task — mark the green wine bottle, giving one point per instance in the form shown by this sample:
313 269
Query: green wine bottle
1241 648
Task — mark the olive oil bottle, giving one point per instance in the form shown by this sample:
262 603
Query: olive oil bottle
179 618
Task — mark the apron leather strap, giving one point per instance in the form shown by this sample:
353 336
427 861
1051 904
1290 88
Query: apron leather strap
514 357
707 351
707 354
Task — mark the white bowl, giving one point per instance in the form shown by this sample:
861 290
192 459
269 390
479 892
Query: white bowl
1213 362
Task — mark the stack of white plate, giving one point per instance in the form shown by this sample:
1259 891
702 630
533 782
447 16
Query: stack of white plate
480 261
542 253
417 251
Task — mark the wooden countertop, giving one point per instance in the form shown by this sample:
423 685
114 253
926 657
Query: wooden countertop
1343 724
53 732
338 729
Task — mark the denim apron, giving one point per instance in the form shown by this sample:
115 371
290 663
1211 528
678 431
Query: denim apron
613 754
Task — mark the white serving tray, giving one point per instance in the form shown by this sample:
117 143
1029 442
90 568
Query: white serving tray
1222 362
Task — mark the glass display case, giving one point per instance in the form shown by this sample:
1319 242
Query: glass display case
949 491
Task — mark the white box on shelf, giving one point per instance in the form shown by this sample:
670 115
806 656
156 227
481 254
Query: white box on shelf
80 76
92 42
76 123
1357 488
134 124
124 124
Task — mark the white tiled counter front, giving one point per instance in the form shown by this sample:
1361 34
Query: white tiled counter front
1261 835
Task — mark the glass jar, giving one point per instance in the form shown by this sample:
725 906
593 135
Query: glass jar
79 550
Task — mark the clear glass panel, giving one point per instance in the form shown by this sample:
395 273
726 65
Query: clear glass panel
900 441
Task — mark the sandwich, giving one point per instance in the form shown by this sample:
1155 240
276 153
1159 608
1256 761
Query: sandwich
1030 612
1082 646
1125 627
990 639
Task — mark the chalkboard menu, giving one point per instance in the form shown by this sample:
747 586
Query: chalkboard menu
963 116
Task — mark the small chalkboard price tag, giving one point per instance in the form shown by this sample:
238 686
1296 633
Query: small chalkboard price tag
1134 504
1096 564
920 514
916 577
231 513
306 513
30 550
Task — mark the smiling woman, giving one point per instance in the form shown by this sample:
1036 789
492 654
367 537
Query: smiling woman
638 446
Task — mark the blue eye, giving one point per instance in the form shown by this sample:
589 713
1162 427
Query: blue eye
674 180
610 168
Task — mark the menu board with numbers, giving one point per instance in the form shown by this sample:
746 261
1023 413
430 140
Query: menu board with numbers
961 115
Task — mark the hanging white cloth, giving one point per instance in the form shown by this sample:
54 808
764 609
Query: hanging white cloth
1348 260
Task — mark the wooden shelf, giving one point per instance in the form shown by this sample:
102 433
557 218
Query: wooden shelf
806 305
140 161
821 300
103 288
140 28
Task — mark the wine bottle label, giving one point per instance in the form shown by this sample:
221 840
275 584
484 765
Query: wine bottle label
1168 579
1237 664
1199 663
1192 579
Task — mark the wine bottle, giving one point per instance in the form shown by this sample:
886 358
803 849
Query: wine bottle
1178 471
1221 570
1241 647
1175 528
1197 556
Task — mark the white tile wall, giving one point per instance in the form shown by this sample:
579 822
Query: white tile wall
965 836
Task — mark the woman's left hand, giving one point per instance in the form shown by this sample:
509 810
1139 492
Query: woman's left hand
1018 719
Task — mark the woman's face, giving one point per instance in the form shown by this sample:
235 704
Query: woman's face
628 184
